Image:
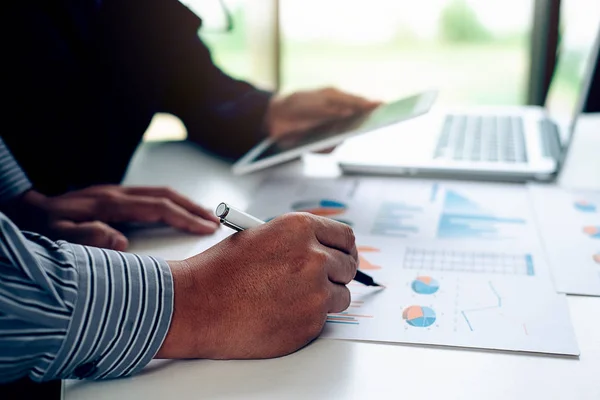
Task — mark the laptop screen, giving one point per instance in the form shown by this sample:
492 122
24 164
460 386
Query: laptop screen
576 59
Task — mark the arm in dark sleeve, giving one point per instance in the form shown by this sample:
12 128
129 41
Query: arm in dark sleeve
159 40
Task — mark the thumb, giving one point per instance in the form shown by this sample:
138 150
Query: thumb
94 233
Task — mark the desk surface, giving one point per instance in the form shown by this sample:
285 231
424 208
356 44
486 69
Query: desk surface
330 369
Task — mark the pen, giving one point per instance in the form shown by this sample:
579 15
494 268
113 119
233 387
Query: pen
239 220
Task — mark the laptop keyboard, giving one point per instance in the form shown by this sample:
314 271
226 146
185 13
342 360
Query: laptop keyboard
488 138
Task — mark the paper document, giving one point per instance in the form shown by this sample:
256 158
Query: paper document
462 262
408 209
569 225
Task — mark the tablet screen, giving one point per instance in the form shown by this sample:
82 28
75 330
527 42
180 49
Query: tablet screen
385 114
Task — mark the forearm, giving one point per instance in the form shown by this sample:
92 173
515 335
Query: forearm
162 45
83 312
230 129
222 114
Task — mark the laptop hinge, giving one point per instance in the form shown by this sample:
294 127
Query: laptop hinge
550 139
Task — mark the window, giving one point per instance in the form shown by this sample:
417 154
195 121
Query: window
578 29
474 51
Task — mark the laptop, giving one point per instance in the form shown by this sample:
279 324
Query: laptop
516 144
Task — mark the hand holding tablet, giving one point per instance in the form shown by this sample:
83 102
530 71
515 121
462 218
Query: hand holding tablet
305 110
280 148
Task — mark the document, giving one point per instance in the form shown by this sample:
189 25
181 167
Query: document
408 209
462 262
569 225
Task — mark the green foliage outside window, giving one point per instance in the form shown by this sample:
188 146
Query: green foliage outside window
459 24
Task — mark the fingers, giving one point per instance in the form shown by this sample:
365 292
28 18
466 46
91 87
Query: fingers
94 233
117 204
157 209
335 235
328 150
340 267
341 251
336 111
175 197
336 104
343 100
339 298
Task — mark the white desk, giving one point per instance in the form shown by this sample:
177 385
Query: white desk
330 369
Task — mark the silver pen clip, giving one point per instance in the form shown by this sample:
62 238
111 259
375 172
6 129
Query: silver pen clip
230 225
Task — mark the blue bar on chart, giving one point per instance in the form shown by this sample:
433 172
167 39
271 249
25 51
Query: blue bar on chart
435 188
529 262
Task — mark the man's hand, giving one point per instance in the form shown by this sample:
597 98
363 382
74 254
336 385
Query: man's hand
302 111
264 292
85 216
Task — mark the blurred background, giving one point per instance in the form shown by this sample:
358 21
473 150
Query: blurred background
476 52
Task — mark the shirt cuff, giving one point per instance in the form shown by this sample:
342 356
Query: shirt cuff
121 316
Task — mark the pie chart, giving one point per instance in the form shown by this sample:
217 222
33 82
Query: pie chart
592 231
585 206
419 316
322 208
425 285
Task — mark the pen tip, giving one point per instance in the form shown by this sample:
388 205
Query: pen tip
378 285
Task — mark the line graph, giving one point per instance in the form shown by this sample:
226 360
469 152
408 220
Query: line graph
497 306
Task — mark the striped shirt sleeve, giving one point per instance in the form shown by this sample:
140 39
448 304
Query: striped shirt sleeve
13 180
70 311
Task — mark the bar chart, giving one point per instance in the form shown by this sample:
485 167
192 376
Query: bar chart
464 218
396 219
352 316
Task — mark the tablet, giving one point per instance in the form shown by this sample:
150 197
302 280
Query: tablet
271 152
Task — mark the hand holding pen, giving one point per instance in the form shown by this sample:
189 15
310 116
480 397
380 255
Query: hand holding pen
261 293
239 221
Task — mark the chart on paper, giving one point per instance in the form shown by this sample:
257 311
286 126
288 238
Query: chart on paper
324 198
470 213
351 316
495 300
407 209
486 308
468 261
425 285
569 225
460 267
